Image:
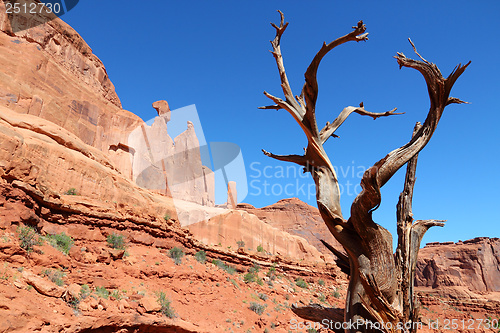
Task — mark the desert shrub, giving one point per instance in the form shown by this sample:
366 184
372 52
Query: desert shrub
61 241
165 304
116 294
167 217
260 248
257 308
28 238
336 294
254 269
55 276
201 256
322 298
71 191
240 243
116 241
225 267
263 296
271 273
301 283
84 291
176 253
102 292
321 282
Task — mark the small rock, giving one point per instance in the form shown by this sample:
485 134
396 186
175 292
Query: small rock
116 254
41 285
150 304
100 307
123 304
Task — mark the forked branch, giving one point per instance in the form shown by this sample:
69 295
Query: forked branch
439 90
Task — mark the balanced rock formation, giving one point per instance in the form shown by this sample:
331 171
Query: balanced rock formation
473 264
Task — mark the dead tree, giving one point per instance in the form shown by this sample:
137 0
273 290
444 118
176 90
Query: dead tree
381 283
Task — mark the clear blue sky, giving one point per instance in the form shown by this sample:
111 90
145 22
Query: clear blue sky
214 54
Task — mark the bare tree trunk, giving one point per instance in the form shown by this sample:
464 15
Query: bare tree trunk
381 283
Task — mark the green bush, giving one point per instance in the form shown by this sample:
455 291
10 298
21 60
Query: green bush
336 294
166 308
225 267
301 283
102 292
84 291
116 241
116 294
271 273
55 276
240 243
61 241
257 308
260 248
28 238
262 296
249 277
71 191
321 282
176 253
201 256
166 217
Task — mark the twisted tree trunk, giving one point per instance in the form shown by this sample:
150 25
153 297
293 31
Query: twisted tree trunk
380 295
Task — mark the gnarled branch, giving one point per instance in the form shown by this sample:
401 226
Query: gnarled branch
330 129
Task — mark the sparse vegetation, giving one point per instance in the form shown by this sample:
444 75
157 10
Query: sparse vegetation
116 294
260 248
28 238
71 191
201 256
336 294
225 267
167 217
61 241
301 283
240 243
271 273
102 292
84 291
116 241
165 304
257 308
55 276
263 296
321 282
176 253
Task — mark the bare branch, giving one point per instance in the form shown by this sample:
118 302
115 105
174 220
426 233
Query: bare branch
270 107
285 85
415 50
330 129
298 159
342 259
310 89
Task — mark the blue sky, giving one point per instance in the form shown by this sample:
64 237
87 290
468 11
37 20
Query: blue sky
214 54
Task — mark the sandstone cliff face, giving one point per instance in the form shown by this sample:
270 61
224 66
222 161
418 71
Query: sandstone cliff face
50 72
473 264
297 218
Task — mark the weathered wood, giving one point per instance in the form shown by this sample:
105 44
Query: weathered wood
380 283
